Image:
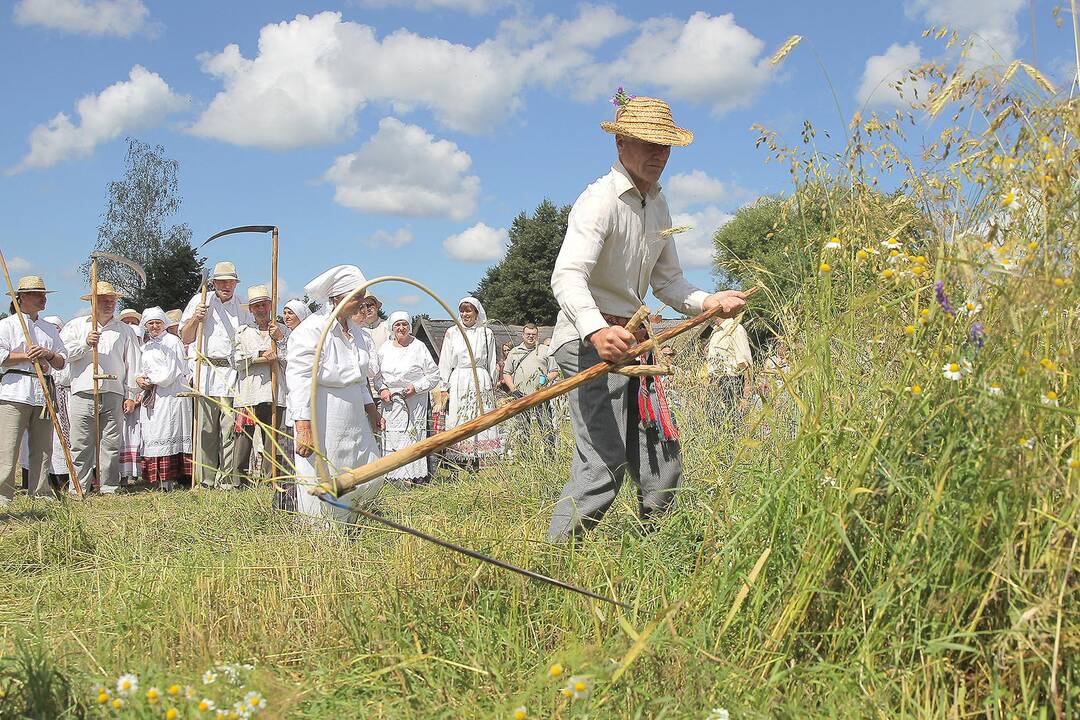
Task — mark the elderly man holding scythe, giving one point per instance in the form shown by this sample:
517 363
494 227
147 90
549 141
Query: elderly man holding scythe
220 317
615 249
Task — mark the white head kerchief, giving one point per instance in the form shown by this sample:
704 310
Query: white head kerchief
481 316
395 317
54 320
338 280
154 313
299 308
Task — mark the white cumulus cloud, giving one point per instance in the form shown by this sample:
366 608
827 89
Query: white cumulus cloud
881 73
993 21
479 243
706 59
85 17
695 246
17 264
696 187
397 239
403 170
409 300
141 101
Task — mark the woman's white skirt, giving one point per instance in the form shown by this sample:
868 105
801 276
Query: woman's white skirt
406 424
347 443
464 407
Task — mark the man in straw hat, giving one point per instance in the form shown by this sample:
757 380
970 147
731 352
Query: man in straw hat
22 399
612 254
258 345
118 364
222 316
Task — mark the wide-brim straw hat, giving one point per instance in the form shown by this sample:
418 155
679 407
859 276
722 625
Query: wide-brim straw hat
256 293
31 283
648 119
104 287
129 313
224 270
174 317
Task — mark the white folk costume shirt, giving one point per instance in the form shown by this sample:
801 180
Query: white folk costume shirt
729 350
612 254
527 366
253 385
166 424
118 355
14 386
219 338
344 361
377 333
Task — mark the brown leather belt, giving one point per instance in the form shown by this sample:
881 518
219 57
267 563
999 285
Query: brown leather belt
641 334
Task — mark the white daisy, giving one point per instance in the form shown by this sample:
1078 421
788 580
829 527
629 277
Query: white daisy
952 371
719 714
971 307
1072 464
995 390
127 684
209 677
1011 199
833 244
1049 398
254 701
891 244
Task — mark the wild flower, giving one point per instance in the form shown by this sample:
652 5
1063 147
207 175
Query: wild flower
1072 464
1011 200
172 714
621 97
952 371
555 670
127 684
117 703
914 389
579 686
209 677
995 389
825 268
888 273
909 329
173 690
189 692
942 298
254 701
1049 398
1048 364
833 243
103 696
891 244
206 705
719 714
1025 442
861 254
978 335
520 713
971 307
153 695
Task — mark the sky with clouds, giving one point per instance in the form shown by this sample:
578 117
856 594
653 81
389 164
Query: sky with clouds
405 135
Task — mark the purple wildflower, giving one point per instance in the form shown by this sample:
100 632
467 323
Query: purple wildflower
978 335
943 301
621 97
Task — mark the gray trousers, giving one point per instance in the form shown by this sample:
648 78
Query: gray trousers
14 418
609 442
214 465
81 415
245 441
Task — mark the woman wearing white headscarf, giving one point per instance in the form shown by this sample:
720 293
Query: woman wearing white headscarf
455 369
164 416
343 422
293 313
410 374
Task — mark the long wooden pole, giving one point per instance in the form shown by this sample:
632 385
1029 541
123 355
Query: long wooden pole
348 480
197 472
41 379
97 391
274 365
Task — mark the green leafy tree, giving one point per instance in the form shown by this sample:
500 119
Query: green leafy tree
172 278
518 289
136 222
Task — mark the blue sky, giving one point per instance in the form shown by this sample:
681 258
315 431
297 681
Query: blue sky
405 135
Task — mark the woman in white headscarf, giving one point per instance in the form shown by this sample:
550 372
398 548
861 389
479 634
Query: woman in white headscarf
348 360
164 416
410 374
293 313
455 369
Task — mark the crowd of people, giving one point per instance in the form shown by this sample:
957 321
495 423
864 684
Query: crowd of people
176 397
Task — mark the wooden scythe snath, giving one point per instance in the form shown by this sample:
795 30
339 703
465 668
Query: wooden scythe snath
399 458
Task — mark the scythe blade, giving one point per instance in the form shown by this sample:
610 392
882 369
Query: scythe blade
131 264
235 230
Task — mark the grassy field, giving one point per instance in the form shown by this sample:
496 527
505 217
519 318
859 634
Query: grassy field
881 540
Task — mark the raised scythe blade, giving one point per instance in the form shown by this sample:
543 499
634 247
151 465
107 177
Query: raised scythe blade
127 262
236 230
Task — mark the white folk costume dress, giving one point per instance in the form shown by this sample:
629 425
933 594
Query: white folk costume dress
285 493
164 416
22 408
406 418
455 368
131 434
345 366
62 382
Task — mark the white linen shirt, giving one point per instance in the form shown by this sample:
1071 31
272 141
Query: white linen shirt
729 350
118 354
253 385
16 387
612 253
343 362
219 338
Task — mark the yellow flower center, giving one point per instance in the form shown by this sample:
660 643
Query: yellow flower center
102 699
916 389
826 268
921 259
953 367
126 685
1074 463
519 715
1059 282
1051 395
555 670
918 269
567 692
171 714
909 330
1021 371
894 253
925 312
174 690
888 273
117 703
1033 245
862 254
204 706
1008 199
580 686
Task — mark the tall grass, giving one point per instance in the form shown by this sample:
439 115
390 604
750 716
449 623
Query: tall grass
854 549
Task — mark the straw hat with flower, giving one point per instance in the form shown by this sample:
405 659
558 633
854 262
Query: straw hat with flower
646 118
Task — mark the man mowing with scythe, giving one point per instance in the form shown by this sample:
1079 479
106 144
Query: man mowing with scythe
614 251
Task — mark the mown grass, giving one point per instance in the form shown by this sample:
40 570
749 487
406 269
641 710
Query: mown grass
854 549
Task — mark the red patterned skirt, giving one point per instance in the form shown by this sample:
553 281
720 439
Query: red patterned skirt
165 469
